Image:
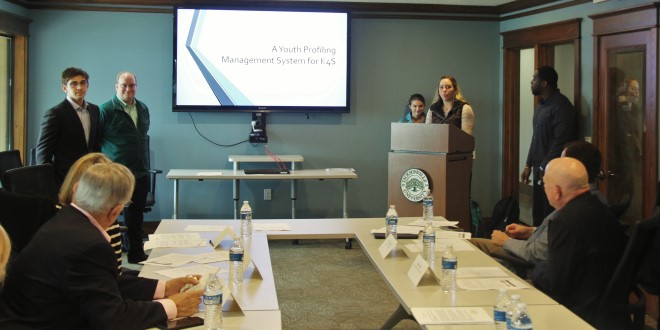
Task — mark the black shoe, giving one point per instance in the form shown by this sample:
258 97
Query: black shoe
136 258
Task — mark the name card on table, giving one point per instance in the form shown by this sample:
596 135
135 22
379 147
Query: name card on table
247 259
418 269
223 233
229 301
387 247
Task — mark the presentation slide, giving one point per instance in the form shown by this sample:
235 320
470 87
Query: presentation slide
261 58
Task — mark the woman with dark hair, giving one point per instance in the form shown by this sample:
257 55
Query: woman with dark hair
449 106
415 110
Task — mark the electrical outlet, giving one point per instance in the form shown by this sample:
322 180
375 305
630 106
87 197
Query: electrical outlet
268 194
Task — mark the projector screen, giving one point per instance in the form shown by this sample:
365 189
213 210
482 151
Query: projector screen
260 60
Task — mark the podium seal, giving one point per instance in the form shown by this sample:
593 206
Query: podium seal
414 183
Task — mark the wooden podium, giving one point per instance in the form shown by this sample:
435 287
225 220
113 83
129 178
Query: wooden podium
444 154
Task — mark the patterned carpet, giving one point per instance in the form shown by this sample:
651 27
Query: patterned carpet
321 285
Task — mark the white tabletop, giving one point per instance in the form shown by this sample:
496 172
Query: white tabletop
256 294
264 158
544 317
225 174
545 312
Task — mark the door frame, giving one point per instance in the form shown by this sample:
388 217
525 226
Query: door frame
542 38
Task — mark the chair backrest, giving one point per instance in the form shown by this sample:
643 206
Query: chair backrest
8 160
36 180
151 195
615 310
22 216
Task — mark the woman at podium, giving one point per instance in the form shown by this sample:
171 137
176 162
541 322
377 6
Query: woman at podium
414 113
449 106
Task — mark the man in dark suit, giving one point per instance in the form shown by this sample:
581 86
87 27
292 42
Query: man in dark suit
67 277
70 129
585 241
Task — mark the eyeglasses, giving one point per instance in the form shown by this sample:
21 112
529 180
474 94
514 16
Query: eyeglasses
75 84
128 85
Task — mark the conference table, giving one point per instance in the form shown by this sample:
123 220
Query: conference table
258 299
236 176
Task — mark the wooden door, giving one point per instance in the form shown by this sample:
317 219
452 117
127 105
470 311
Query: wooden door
625 109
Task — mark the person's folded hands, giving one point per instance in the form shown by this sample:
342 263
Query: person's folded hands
187 303
175 285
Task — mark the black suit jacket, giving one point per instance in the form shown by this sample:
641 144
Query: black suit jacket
62 138
585 243
66 278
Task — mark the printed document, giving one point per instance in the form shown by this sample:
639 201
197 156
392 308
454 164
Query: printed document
490 283
451 315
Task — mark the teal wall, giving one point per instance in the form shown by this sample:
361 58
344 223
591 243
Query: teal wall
390 60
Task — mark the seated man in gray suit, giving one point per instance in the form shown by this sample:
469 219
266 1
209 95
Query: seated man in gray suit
67 277
521 244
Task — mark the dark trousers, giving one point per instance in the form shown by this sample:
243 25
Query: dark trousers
541 207
134 215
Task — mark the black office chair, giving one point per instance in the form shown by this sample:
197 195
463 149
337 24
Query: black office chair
9 159
22 216
615 311
37 180
151 195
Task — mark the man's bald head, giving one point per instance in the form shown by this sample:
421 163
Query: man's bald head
565 178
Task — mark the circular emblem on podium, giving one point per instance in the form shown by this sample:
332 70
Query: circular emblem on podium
414 183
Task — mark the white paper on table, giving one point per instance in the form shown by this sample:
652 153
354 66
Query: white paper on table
204 228
490 283
441 245
217 256
148 245
172 260
479 272
452 234
209 173
190 270
272 226
174 236
451 315
436 223
413 230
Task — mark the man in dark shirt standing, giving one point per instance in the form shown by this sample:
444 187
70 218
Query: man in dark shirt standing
124 123
69 130
554 125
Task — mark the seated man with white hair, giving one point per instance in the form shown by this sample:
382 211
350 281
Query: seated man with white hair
67 277
585 241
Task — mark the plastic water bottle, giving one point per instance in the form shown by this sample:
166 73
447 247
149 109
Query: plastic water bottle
511 310
428 237
246 220
427 206
213 303
428 240
236 262
391 220
499 310
521 320
449 266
